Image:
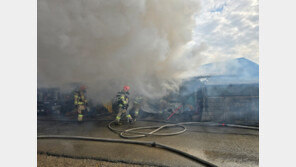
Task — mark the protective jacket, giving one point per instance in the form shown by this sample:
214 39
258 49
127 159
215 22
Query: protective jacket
79 98
122 99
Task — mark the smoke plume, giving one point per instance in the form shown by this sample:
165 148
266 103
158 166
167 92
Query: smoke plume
106 44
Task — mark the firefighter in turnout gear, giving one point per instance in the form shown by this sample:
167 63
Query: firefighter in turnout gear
136 106
122 104
80 102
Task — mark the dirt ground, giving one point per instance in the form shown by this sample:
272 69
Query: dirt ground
50 161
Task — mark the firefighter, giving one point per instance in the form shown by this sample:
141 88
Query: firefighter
80 102
136 106
122 104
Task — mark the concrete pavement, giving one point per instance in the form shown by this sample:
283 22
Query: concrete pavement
222 146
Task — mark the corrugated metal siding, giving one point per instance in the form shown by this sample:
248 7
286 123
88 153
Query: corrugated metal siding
233 108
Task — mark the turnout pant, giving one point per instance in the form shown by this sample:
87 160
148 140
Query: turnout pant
137 109
121 111
79 110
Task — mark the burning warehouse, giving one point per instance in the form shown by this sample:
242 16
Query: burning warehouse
142 69
149 83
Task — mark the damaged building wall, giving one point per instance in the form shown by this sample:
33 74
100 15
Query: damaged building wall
238 104
226 92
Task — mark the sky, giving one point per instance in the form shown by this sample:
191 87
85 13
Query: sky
228 28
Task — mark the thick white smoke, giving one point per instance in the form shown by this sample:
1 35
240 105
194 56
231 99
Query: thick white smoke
110 43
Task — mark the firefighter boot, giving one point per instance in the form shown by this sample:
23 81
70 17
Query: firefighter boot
129 118
80 118
117 121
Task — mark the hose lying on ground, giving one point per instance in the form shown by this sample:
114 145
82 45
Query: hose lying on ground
135 134
145 143
132 131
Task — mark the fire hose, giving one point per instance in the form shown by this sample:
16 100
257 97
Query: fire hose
174 112
133 133
145 143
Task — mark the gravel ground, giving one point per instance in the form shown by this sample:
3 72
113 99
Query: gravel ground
49 161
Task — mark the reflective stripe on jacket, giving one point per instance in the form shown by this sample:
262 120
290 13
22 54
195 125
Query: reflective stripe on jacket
79 99
122 99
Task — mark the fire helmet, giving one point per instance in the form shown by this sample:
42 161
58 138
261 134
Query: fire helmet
82 87
126 88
